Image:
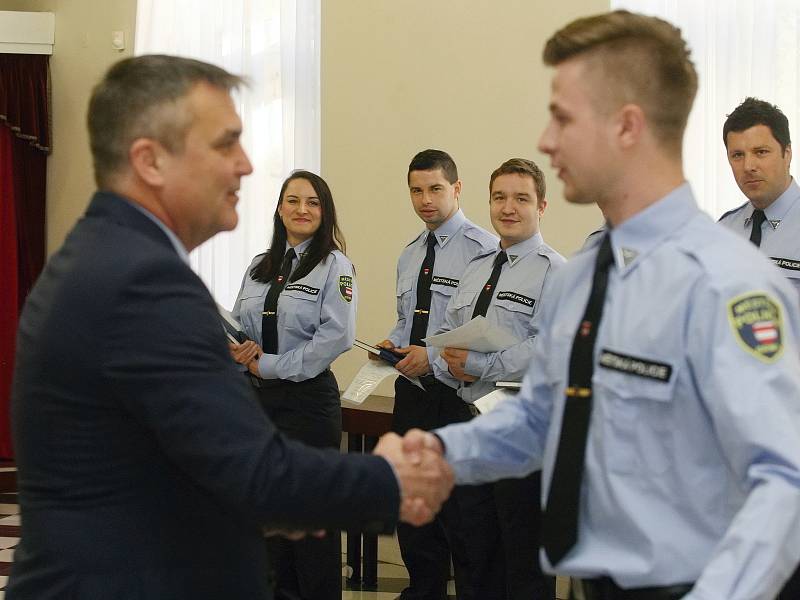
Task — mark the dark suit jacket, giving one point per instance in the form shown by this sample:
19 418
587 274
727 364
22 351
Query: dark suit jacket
146 467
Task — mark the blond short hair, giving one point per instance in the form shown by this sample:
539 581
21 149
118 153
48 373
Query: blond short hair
640 60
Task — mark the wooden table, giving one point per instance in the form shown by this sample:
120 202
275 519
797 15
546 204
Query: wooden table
364 425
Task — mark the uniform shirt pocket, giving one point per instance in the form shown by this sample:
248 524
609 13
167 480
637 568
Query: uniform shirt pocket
633 396
405 299
461 303
251 305
298 308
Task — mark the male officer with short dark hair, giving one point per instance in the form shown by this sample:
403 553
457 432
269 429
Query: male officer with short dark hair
428 273
759 149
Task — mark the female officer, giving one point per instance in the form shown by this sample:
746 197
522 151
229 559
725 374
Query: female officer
299 301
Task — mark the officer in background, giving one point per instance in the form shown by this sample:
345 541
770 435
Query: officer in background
756 136
299 300
507 287
663 398
759 149
428 273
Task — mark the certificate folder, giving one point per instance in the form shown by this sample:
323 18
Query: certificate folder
231 326
391 357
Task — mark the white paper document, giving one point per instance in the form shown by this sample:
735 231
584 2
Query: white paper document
477 334
233 329
368 378
487 403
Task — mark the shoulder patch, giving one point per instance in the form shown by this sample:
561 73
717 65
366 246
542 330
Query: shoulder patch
346 287
757 323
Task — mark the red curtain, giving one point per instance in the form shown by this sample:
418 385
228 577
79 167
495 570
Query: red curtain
24 144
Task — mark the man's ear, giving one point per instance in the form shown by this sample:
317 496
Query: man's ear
457 188
630 125
147 158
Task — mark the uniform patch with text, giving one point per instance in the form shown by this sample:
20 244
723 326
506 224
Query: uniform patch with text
633 365
786 263
757 322
515 297
445 281
346 287
299 287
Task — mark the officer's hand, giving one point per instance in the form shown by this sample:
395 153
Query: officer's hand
415 441
456 361
252 366
384 344
245 352
415 364
425 479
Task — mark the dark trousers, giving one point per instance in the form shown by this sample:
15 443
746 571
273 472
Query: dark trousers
467 524
308 411
791 591
519 511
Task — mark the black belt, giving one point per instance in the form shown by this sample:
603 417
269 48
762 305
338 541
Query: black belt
273 383
604 588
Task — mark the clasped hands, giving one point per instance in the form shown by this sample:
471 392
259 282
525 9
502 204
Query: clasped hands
247 354
415 364
424 476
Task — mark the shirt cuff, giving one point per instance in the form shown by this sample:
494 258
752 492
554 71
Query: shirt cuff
432 354
476 363
439 368
267 366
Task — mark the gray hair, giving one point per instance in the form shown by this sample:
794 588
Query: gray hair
143 97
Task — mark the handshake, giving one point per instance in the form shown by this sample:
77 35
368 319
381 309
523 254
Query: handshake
424 476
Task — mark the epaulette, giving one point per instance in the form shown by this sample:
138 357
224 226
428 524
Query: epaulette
482 255
478 234
732 211
591 239
416 238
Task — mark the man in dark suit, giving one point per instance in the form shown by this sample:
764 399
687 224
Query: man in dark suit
146 468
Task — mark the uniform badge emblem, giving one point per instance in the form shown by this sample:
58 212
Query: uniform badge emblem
757 323
346 287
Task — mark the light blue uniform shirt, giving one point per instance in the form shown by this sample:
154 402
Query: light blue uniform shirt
458 241
780 235
692 468
516 298
316 317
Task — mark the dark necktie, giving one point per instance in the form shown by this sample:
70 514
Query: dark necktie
269 318
758 219
560 521
485 297
419 326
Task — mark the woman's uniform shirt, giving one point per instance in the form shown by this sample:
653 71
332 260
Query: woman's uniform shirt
316 317
515 301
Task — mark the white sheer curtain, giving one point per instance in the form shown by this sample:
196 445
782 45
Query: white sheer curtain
275 44
740 48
